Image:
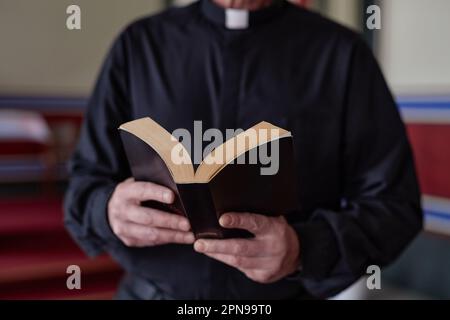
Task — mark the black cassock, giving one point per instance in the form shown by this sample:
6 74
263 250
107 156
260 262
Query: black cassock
358 190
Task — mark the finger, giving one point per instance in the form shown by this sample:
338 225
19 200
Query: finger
261 276
133 242
239 247
157 218
255 223
243 263
143 191
259 271
164 236
153 236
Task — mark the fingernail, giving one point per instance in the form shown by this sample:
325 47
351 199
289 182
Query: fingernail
225 220
199 246
168 196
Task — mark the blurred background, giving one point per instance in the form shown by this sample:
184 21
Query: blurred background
47 73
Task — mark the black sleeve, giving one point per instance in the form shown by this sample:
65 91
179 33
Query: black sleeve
98 163
380 212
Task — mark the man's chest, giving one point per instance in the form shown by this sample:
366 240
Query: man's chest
224 90
234 89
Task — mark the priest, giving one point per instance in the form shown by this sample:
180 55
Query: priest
232 64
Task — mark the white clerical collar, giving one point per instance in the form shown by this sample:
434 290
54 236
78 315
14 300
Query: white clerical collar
236 19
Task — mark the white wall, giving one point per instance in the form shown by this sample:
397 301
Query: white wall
415 46
39 56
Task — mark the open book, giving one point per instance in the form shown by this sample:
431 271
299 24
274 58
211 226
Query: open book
232 177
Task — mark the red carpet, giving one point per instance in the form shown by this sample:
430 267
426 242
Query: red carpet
36 250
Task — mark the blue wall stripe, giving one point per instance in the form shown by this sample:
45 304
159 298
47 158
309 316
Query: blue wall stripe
437 214
42 103
424 105
46 103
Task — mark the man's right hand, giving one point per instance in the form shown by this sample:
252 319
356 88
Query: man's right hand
137 226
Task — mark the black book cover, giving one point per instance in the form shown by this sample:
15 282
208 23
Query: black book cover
236 188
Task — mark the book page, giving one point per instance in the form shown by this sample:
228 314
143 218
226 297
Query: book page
253 137
164 144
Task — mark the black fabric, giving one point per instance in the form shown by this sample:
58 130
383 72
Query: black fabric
291 67
137 288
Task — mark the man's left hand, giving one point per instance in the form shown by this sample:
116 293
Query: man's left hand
270 256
